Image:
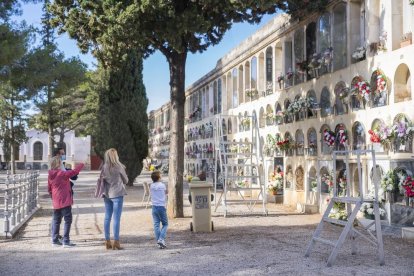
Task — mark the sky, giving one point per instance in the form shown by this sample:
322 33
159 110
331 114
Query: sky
156 72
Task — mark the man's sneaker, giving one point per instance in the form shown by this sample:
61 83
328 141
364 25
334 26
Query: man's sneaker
56 243
162 244
68 245
60 238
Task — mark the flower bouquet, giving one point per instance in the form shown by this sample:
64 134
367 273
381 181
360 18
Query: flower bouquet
275 182
342 136
314 186
269 116
315 62
388 181
245 122
326 57
302 67
329 137
367 208
252 93
284 145
381 83
363 89
327 179
359 54
289 74
408 186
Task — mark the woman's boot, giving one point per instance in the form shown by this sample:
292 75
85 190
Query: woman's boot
108 244
116 246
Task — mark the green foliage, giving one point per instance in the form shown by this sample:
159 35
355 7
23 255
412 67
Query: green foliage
122 119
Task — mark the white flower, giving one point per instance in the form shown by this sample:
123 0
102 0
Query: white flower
370 211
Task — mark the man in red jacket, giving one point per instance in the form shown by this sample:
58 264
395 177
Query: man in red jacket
62 199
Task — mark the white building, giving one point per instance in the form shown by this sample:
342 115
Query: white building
34 153
326 59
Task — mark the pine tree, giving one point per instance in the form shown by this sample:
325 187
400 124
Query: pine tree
122 115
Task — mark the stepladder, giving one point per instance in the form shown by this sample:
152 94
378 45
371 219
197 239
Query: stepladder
351 227
238 177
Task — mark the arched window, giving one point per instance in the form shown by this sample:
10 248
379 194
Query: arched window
311 112
253 73
324 42
38 151
241 127
325 149
219 96
278 115
261 76
289 67
229 92
339 37
312 142
289 152
229 125
241 86
325 180
269 70
402 142
402 84
325 102
341 97
300 60
342 137
379 88
312 180
289 177
300 142
358 136
262 117
357 101
235 92
215 96
311 47
247 121
224 127
269 115
246 79
288 117
299 173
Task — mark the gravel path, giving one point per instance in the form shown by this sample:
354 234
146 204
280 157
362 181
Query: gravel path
241 245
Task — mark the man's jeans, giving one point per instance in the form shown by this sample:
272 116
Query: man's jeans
159 214
66 213
113 206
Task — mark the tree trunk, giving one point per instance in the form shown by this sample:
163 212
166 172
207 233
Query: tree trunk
50 124
12 159
176 157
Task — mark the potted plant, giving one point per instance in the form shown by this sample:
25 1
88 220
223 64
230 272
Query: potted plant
275 182
252 93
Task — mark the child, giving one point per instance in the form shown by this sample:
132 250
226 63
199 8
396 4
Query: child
62 199
159 213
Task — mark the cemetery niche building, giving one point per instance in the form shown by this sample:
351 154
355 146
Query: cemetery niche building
337 80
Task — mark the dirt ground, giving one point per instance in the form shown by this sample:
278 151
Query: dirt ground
240 245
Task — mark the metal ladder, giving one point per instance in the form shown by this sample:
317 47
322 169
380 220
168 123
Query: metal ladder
237 166
352 205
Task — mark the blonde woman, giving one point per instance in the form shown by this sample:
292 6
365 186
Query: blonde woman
60 190
115 178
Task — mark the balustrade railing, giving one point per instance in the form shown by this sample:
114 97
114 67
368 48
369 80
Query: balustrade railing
21 194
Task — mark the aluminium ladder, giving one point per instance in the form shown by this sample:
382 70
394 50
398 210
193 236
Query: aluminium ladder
236 168
353 204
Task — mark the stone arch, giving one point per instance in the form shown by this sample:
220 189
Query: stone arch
312 142
278 114
300 181
339 143
240 84
262 117
356 100
261 76
288 118
300 142
312 179
325 102
269 115
402 142
341 97
358 136
402 84
325 149
269 70
379 88
289 177
311 96
325 187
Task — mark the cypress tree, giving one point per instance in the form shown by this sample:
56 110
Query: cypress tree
122 114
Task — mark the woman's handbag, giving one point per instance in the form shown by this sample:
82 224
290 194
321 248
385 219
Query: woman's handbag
100 186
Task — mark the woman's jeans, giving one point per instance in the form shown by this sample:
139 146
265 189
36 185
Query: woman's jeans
159 214
66 213
113 206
